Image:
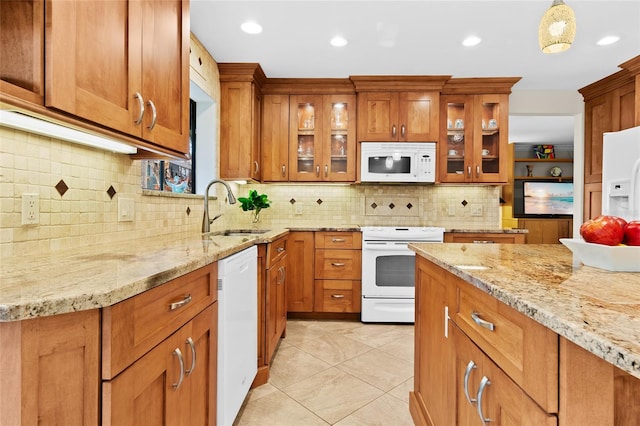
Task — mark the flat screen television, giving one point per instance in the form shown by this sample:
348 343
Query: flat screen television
543 199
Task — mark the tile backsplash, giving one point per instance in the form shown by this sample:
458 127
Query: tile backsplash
88 214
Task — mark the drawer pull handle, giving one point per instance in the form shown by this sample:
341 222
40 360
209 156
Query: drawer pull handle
193 355
475 316
179 304
337 296
467 372
338 240
280 249
483 242
483 384
177 353
337 264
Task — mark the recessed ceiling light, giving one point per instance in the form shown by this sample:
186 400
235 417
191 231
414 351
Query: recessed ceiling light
607 40
338 41
471 41
251 28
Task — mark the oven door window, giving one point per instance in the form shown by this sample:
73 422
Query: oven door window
395 271
390 165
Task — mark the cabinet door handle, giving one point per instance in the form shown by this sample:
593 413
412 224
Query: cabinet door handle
256 167
190 342
326 170
393 131
338 240
469 171
337 264
475 316
179 304
177 353
477 171
318 170
403 131
280 249
138 96
154 114
483 384
337 296
483 242
283 170
467 372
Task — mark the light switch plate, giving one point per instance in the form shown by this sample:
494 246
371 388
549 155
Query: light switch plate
125 210
476 210
298 208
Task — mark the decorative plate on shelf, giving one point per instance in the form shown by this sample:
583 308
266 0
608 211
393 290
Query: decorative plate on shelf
556 171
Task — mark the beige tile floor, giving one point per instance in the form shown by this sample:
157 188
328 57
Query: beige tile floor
336 373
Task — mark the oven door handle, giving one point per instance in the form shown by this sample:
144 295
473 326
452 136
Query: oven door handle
386 247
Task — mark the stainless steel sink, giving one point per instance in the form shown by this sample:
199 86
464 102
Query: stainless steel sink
240 232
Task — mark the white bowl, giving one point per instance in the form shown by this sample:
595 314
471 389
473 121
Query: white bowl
610 258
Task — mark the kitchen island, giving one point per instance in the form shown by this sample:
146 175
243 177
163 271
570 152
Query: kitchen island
566 338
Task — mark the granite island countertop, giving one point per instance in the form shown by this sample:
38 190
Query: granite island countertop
96 276
595 309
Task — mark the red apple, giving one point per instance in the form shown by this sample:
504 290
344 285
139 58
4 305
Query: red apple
620 220
602 230
632 233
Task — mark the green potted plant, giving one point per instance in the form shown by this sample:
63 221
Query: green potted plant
254 202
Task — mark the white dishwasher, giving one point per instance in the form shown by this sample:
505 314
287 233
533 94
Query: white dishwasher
237 331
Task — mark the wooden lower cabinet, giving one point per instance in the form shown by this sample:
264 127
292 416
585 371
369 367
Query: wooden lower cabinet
546 231
483 389
300 292
484 237
173 384
51 370
531 375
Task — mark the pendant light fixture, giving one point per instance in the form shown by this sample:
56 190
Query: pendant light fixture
557 28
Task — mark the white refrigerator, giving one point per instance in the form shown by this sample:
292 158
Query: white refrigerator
621 174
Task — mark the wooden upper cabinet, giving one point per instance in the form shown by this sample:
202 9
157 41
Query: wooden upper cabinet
275 138
122 64
393 116
398 108
22 49
240 120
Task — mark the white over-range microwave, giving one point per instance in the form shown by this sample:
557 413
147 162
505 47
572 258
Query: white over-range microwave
398 162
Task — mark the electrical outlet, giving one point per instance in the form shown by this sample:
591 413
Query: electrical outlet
298 208
30 209
452 210
125 210
476 210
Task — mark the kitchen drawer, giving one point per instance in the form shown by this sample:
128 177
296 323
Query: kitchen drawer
484 238
134 326
339 240
526 350
337 296
338 264
276 250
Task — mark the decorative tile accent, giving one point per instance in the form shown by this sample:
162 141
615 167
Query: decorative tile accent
409 206
319 201
392 206
111 191
61 187
464 203
374 205
292 201
188 211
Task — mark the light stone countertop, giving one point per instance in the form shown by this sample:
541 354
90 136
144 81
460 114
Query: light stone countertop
595 309
97 276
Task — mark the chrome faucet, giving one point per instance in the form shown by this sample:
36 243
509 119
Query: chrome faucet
206 222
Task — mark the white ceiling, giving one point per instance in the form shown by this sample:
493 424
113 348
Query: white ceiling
425 37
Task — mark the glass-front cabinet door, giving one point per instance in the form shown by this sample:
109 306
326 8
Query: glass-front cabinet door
322 144
339 155
305 130
474 146
490 153
457 143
